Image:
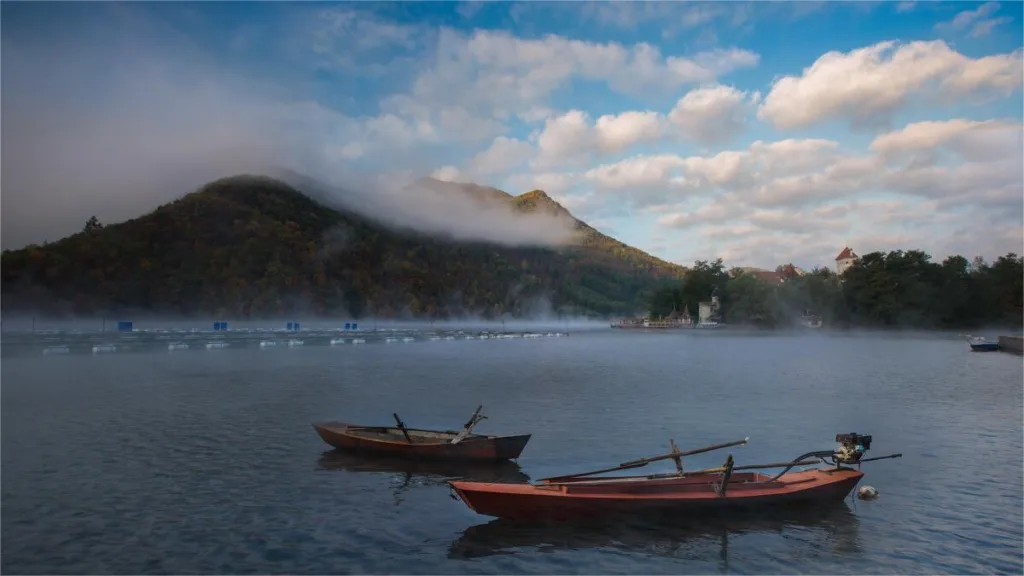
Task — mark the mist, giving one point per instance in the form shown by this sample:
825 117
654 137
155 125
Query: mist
112 113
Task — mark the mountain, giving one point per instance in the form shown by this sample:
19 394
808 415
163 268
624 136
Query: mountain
256 247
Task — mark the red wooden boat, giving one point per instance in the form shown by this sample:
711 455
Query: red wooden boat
575 496
423 444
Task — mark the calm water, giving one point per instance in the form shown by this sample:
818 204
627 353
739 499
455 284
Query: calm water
204 461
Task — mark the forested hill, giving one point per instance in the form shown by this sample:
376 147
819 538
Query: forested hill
255 247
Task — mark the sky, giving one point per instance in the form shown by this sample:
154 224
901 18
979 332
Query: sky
758 132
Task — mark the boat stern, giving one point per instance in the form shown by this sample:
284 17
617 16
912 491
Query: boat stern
510 447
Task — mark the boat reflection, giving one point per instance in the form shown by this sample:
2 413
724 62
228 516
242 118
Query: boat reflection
834 528
411 473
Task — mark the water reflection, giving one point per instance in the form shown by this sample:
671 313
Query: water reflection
409 473
834 529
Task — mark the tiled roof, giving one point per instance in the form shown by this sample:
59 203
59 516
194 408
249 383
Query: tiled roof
770 277
846 253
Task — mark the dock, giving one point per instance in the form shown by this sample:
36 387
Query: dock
1014 344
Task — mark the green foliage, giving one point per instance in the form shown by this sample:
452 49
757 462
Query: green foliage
254 247
894 289
701 282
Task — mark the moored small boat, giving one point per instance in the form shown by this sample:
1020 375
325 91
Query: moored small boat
415 443
979 344
726 487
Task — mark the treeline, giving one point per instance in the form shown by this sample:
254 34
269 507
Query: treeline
883 289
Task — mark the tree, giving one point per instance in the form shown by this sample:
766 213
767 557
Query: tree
893 289
92 224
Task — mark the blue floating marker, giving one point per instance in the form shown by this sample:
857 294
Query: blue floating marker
296 325
123 326
348 325
290 326
353 325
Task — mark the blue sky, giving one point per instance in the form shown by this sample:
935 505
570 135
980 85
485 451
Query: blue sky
759 132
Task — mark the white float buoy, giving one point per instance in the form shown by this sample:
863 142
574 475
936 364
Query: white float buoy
867 492
100 348
337 341
268 344
56 350
359 341
293 342
177 346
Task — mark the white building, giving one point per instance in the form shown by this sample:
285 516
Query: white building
845 259
707 312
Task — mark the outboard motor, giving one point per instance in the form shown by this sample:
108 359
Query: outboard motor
851 447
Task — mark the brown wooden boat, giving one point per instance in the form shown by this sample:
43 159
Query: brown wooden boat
575 496
401 441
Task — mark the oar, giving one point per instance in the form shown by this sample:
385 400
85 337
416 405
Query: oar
645 461
705 472
880 458
473 420
401 427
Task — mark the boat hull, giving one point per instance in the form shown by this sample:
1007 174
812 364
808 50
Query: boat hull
425 445
986 347
694 494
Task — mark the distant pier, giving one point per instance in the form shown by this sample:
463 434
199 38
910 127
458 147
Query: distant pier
1013 344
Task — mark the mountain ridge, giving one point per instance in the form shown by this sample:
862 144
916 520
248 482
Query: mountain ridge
255 246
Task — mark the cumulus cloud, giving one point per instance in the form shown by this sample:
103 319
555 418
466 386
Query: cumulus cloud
866 85
975 140
811 196
572 137
707 115
713 115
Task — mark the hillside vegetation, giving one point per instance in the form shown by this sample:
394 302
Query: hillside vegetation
251 247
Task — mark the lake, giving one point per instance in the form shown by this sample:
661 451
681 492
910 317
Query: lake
149 460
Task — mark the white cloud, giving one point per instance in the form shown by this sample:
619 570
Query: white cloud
712 115
975 140
867 85
496 73
503 155
707 115
448 174
571 137
978 20
358 41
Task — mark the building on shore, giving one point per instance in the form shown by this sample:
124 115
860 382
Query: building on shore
845 259
709 313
